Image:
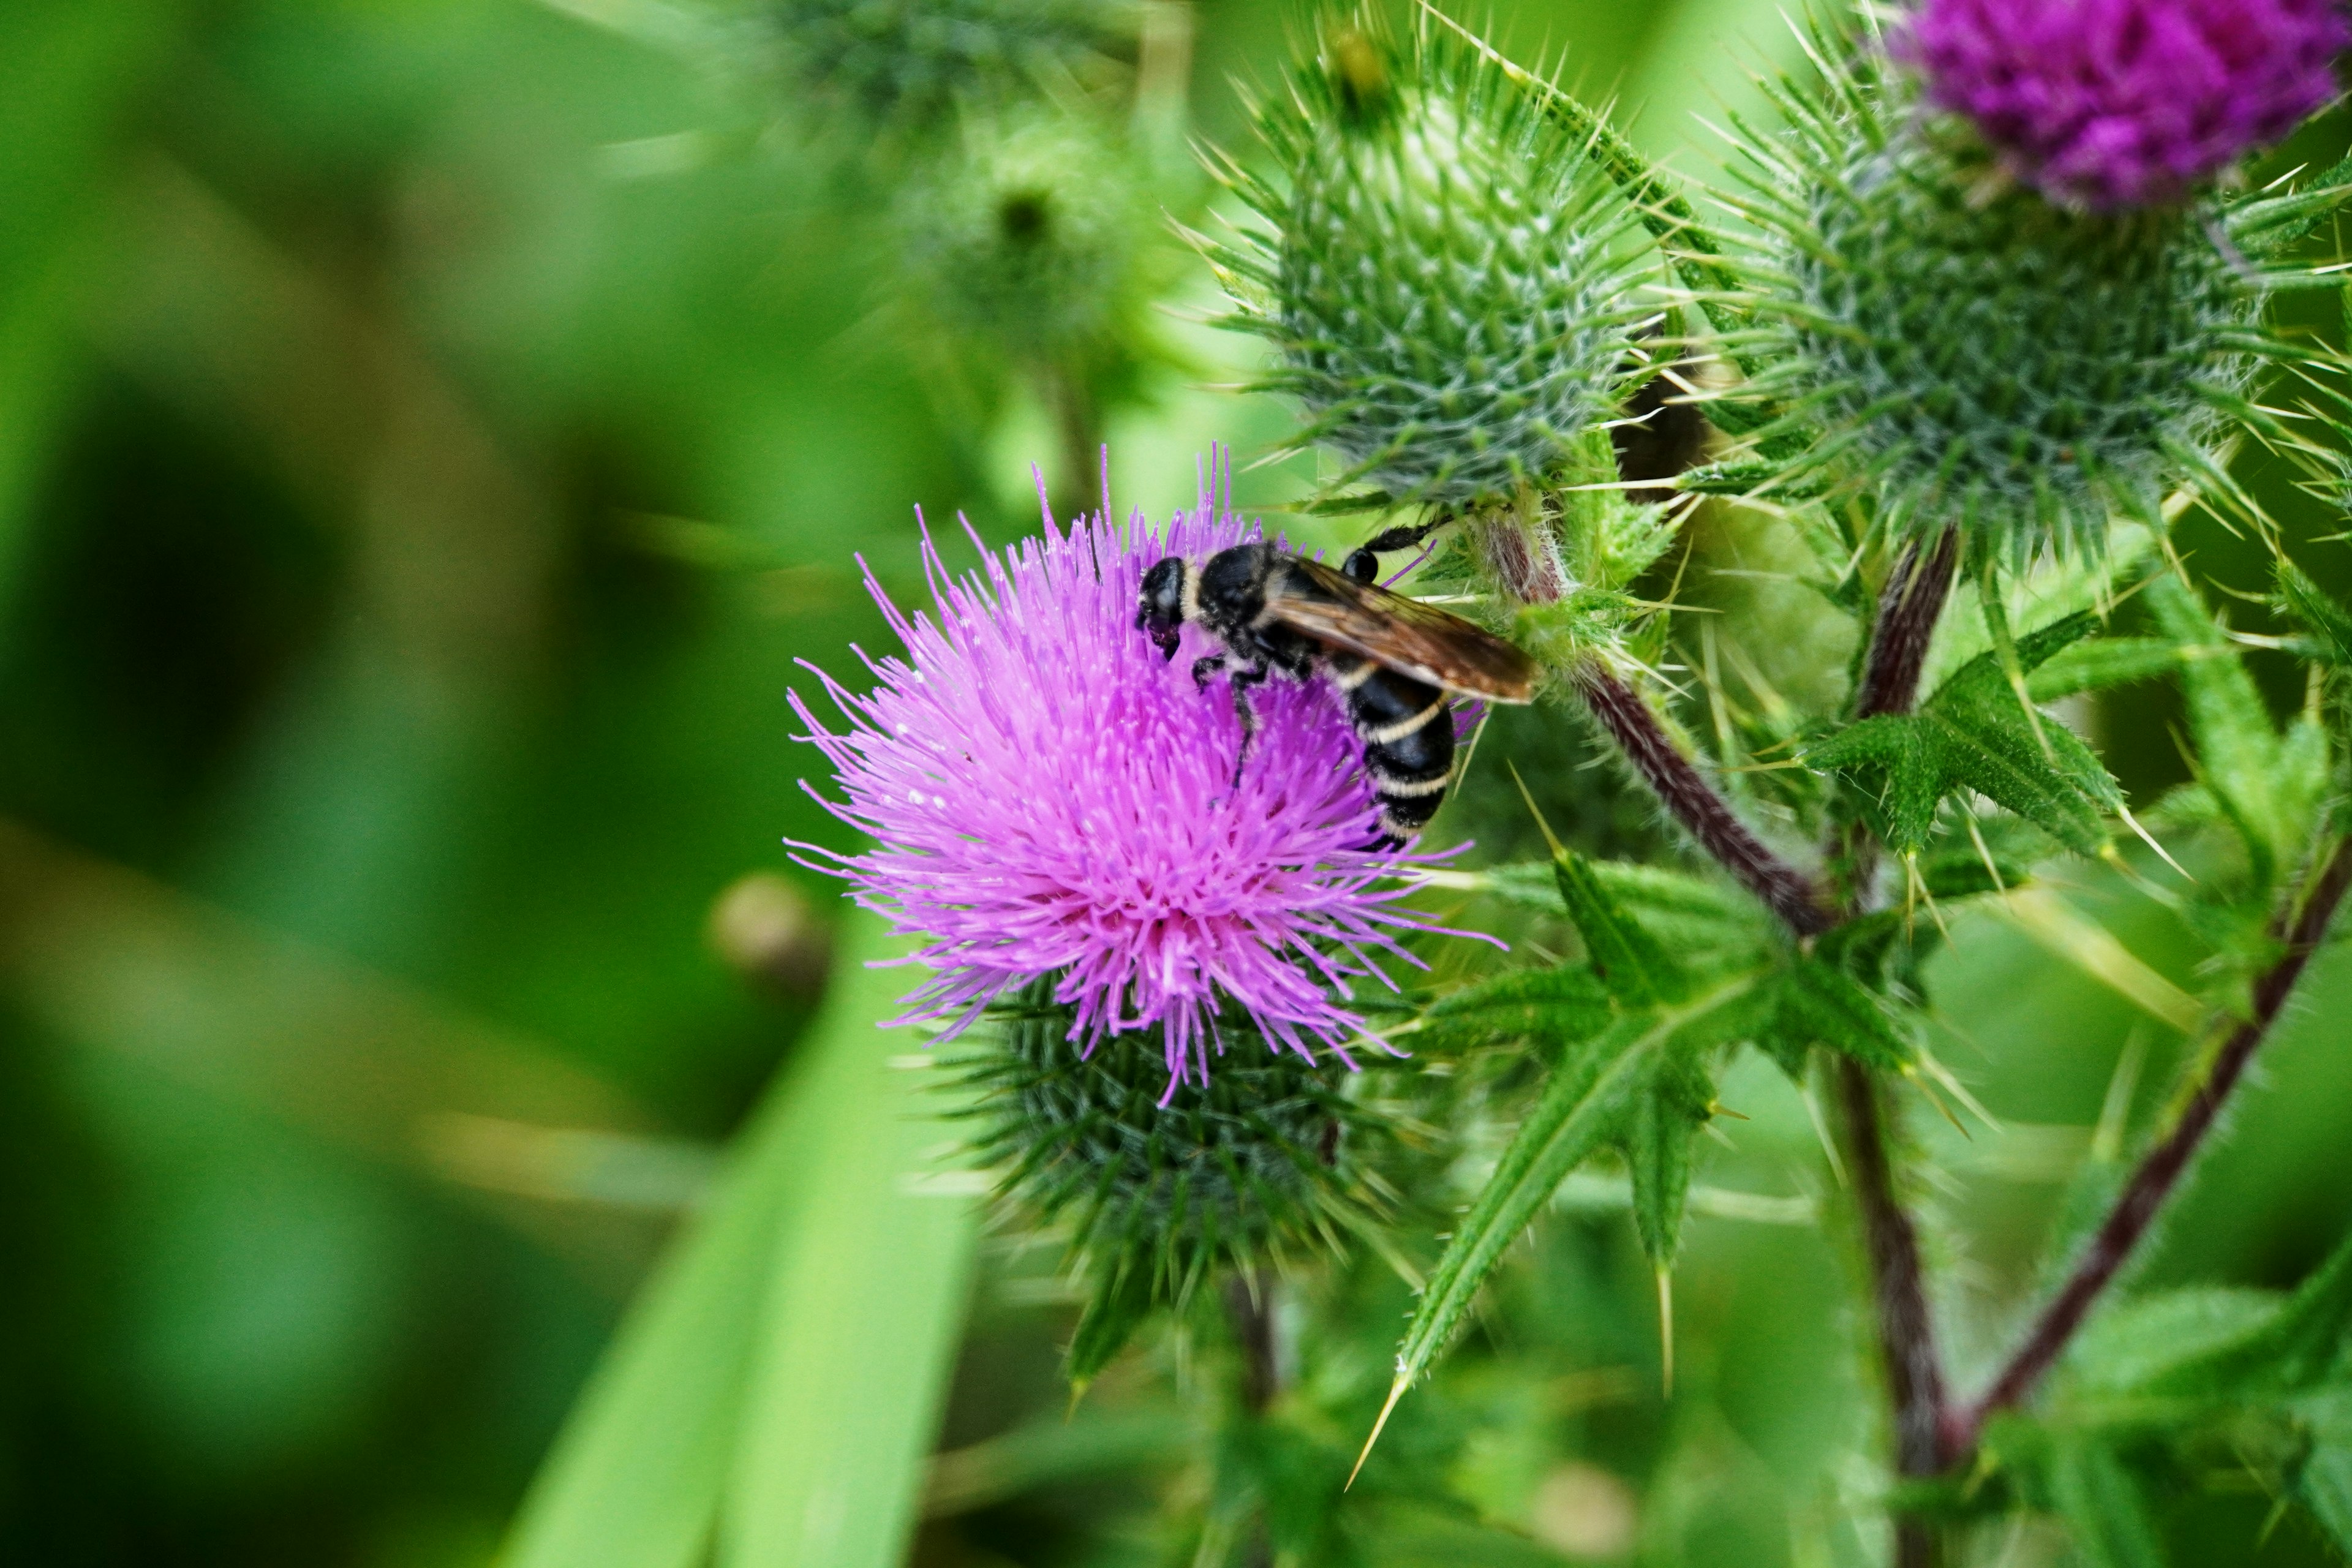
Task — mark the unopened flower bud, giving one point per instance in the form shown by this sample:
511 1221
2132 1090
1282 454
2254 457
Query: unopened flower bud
1451 285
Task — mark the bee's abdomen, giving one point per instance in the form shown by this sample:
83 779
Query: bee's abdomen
1407 735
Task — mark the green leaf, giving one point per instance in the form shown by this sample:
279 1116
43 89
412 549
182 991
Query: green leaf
1557 1007
2237 746
2104 1506
2211 1344
2101 662
1814 1003
2303 1341
1402 1534
793 1346
1632 1089
866 1283
2167 1340
633 1480
1974 734
2326 624
1685 913
1627 958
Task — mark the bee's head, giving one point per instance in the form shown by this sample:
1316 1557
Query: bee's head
1161 609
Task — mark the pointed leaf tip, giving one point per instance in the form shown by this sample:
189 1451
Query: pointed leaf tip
1396 1391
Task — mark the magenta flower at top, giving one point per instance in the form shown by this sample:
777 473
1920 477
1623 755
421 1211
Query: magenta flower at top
1052 797
2107 104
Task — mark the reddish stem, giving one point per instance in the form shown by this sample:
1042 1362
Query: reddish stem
1909 606
1898 1280
2161 1172
1693 802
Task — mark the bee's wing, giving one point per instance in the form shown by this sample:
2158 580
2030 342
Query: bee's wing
1420 640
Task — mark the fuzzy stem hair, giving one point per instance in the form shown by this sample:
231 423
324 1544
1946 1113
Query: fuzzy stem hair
1693 803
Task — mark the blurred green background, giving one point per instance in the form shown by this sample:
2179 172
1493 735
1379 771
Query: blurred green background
430 431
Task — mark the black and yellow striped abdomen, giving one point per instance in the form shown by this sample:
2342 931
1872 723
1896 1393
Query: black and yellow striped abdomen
1407 735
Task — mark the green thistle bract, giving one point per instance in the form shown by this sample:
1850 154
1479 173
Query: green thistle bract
1975 354
1264 1161
904 64
1450 283
1031 235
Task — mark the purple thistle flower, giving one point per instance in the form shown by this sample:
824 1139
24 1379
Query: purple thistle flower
1051 796
2107 104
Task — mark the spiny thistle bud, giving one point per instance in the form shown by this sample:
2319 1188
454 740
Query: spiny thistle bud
1450 283
1265 1160
2107 104
1031 236
1980 357
905 63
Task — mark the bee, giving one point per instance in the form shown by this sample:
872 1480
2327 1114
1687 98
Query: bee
1394 660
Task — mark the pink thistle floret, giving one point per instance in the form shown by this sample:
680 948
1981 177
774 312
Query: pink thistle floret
1049 796
2108 104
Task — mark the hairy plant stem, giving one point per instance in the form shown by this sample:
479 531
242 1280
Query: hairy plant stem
1898 1281
1693 803
2300 928
1520 555
1910 605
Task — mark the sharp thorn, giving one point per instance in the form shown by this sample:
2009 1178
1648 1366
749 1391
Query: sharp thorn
1396 1391
1666 1332
1559 851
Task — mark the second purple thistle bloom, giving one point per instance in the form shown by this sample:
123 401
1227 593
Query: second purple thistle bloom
2108 104
1050 795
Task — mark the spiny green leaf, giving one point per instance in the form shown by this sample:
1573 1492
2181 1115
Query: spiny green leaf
2102 662
1626 957
2326 624
2304 1339
2213 1344
1673 1101
2237 747
2166 1339
1983 676
1974 734
1815 1002
1685 913
1646 1064
1556 1007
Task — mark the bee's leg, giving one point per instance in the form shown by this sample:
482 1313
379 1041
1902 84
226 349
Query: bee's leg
1244 679
1204 668
1363 563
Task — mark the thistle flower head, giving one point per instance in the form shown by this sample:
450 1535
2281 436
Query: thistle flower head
1053 797
1972 355
1448 281
2107 104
